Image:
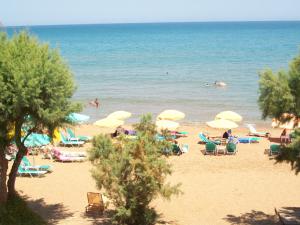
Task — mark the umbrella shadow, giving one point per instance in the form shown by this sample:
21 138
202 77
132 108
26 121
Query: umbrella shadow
52 213
253 218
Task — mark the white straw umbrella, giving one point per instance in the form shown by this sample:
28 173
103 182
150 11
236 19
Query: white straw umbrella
229 115
222 124
171 115
109 123
119 115
166 124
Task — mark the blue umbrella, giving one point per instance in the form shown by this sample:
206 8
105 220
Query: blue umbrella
77 118
36 140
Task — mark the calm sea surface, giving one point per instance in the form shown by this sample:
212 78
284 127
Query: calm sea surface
151 67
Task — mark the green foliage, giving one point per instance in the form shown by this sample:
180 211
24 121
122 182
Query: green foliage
291 152
279 94
145 126
132 173
275 94
36 89
35 81
16 212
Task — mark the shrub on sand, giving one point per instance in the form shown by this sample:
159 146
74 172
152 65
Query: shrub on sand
132 173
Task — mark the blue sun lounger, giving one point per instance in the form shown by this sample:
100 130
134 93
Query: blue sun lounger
66 142
205 140
23 171
248 139
79 137
25 163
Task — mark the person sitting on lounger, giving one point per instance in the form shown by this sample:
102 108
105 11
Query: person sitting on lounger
284 137
227 134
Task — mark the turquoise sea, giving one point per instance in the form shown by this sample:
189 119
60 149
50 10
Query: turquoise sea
151 67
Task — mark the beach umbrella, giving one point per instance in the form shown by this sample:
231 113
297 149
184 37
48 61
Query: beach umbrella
222 124
109 123
171 115
166 124
119 115
229 115
77 118
36 140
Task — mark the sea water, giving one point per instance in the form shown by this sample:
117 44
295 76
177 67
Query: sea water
145 68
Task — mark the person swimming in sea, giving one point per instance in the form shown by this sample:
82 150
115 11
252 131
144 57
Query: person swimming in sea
220 84
95 103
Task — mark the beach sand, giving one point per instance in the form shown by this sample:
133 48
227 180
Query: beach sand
239 189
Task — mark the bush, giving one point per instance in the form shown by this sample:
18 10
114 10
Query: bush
132 173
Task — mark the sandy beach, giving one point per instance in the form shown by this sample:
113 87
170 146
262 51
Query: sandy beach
237 189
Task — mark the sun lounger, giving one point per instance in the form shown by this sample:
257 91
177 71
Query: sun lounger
253 132
210 148
66 142
179 134
95 203
160 137
204 139
274 149
231 148
24 171
25 163
79 137
248 139
66 156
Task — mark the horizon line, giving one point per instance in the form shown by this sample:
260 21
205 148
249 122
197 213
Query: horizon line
157 22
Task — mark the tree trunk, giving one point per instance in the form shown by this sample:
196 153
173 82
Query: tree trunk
3 173
21 152
13 174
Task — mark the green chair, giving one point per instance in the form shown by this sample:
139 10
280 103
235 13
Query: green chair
176 149
25 163
274 149
79 137
210 148
230 148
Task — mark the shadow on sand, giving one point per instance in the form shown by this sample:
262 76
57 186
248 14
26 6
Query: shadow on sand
99 219
253 218
52 213
104 219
